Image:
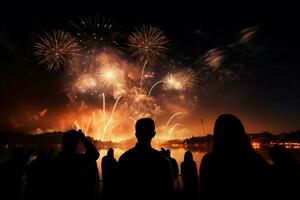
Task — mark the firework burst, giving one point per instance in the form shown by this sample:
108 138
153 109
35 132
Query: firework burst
189 77
181 80
103 75
173 81
110 75
148 43
56 49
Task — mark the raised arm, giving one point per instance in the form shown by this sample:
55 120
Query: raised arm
91 152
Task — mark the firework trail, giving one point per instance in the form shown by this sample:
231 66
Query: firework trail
109 122
103 110
170 130
142 75
172 117
153 86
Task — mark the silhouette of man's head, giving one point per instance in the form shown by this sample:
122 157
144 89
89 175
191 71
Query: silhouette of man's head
70 141
145 130
110 152
188 156
230 135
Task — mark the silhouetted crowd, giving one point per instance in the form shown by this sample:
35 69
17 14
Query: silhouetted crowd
232 170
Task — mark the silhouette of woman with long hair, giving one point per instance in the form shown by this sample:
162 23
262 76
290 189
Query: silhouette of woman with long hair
233 167
189 176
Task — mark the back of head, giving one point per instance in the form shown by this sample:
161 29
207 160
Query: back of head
110 152
230 135
188 156
70 141
145 130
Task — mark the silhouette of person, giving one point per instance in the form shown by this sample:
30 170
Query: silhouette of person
189 176
12 173
286 171
109 174
145 173
173 164
233 167
71 171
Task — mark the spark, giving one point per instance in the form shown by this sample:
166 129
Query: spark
95 31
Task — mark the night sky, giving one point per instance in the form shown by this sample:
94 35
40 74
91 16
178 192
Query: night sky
247 57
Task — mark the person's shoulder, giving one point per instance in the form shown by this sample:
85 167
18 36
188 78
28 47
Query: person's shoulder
154 151
174 160
104 158
158 154
127 155
207 158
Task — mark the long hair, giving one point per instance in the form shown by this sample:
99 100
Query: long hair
230 136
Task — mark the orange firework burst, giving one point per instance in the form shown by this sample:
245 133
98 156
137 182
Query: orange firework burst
147 43
173 81
110 75
190 77
181 80
56 49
